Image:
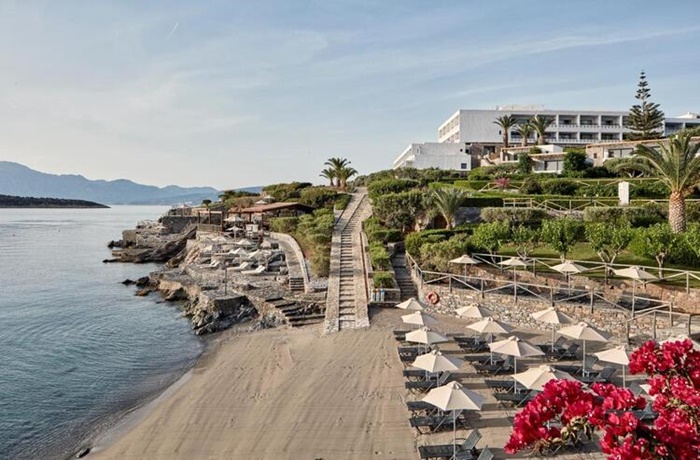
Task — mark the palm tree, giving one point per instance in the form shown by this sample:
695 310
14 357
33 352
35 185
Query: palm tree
345 173
506 122
525 130
329 174
336 163
447 201
335 166
540 124
677 166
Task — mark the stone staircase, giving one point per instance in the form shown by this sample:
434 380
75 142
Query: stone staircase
402 274
298 314
296 284
346 301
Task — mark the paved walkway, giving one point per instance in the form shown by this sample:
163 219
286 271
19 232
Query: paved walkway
346 301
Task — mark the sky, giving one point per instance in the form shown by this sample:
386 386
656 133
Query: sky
242 93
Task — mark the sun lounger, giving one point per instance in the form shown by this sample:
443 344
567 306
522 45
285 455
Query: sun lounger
493 369
444 451
476 347
501 386
418 374
421 386
515 399
636 389
645 415
261 269
421 407
575 369
431 424
427 384
400 335
215 264
484 359
241 267
564 354
558 345
603 376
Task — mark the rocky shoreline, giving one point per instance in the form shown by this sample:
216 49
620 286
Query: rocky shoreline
212 299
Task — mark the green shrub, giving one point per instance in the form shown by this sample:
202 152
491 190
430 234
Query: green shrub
284 224
317 197
514 215
286 191
383 280
399 210
482 201
313 232
341 201
475 185
575 162
386 186
649 189
479 174
637 216
597 190
436 255
491 236
414 241
376 232
531 186
559 187
379 257
692 211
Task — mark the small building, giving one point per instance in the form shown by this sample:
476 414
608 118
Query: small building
446 156
550 158
601 152
284 209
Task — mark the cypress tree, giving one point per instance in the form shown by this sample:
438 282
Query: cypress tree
645 118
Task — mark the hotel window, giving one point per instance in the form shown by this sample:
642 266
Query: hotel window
463 166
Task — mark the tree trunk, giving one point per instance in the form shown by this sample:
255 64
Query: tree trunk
505 139
524 142
540 139
676 212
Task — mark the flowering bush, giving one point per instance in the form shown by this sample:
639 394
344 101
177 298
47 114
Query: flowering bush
555 417
563 411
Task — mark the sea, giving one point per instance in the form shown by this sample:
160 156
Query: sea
77 348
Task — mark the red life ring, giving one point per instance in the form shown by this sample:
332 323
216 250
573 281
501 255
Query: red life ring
433 297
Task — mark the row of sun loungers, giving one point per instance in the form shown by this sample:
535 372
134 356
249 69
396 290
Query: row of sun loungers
426 418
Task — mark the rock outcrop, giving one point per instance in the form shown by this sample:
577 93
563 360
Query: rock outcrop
209 310
154 249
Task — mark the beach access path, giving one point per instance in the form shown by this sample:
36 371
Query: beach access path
280 394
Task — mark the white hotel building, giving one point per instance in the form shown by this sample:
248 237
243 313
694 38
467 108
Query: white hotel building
473 133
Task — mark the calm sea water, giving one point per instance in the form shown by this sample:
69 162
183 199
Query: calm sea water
76 346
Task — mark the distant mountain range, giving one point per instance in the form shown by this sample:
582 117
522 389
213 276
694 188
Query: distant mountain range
19 180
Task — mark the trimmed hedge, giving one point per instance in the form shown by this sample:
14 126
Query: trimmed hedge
376 232
637 216
379 257
559 187
383 280
385 186
482 201
514 215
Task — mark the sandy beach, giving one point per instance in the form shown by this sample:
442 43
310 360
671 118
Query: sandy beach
281 394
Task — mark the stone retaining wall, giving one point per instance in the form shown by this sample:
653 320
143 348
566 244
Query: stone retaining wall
518 313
